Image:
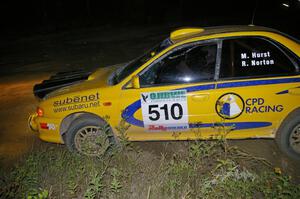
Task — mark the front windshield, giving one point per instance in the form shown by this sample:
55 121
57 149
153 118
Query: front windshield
136 63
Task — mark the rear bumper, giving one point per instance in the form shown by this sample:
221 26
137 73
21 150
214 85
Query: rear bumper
47 129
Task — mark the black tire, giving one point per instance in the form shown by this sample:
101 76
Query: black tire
83 137
288 135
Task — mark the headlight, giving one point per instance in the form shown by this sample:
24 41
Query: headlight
40 112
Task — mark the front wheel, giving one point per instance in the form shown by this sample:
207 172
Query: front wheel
288 136
89 136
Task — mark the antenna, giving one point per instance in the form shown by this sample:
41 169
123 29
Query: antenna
254 12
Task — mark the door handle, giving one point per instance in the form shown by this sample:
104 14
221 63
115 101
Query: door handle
200 97
294 91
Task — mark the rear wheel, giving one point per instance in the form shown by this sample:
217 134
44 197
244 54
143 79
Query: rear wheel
89 136
288 136
295 139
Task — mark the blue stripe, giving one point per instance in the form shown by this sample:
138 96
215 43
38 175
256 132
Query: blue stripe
282 92
198 88
258 82
128 113
235 125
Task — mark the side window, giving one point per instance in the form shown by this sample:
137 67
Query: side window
253 57
186 65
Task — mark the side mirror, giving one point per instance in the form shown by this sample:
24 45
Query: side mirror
135 81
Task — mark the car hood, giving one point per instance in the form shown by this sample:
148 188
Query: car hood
98 79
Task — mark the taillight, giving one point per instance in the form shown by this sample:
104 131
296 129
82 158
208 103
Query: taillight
39 112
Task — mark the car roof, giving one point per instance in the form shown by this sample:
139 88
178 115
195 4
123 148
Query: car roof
191 32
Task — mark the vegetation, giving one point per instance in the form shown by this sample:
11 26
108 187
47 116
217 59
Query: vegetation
196 169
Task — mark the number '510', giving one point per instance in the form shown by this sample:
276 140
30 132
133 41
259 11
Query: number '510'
155 114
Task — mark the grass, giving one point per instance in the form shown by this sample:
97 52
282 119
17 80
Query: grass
194 169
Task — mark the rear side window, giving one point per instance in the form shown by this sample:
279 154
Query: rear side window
254 57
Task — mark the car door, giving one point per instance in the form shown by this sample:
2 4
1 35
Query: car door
175 97
255 76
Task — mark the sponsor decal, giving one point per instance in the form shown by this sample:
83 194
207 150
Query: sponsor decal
167 128
258 105
48 126
164 96
230 106
76 102
77 99
165 111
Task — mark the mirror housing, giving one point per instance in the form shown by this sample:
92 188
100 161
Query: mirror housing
135 82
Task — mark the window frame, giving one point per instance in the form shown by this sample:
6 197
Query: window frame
283 49
216 42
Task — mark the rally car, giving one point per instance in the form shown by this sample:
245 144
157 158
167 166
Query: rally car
244 80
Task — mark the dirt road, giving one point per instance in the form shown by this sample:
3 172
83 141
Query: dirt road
16 102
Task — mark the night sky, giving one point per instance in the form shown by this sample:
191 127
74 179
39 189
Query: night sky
44 16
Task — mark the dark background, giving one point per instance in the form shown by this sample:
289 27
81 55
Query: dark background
47 16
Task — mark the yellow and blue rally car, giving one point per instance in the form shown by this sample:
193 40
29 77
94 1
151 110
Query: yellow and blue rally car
244 79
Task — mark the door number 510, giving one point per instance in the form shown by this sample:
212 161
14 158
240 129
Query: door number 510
175 111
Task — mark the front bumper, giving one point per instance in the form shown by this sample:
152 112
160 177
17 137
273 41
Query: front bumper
32 122
47 129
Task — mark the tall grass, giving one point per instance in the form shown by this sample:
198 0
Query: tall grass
194 169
